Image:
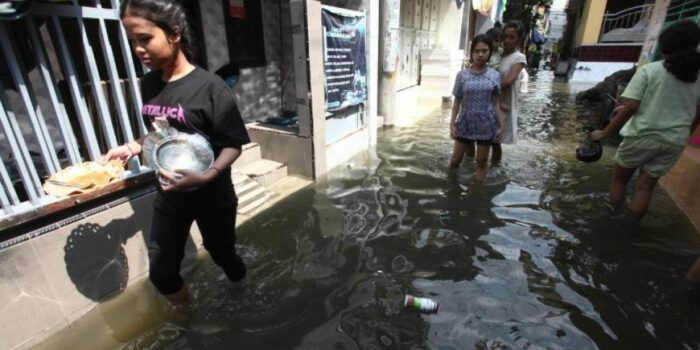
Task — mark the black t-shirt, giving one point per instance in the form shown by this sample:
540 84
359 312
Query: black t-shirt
199 102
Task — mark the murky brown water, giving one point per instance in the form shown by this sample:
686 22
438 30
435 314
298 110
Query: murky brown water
533 259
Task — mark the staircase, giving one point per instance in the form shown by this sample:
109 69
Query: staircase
251 175
437 74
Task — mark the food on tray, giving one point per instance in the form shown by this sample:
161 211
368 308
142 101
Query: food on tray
83 177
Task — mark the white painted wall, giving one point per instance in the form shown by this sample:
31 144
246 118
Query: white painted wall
450 24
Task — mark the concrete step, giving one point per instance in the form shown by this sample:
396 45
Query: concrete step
249 154
251 194
265 172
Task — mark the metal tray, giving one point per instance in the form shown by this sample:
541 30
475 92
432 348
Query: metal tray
183 151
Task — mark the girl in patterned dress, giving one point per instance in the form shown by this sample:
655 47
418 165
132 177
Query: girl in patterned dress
474 119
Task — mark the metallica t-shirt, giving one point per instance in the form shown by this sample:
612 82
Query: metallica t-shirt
198 102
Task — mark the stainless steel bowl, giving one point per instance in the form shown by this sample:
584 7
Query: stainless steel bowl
183 151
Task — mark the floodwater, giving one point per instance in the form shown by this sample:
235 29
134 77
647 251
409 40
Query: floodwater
531 259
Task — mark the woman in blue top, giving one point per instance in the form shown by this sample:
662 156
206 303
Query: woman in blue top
474 117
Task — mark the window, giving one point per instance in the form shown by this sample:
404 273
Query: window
244 32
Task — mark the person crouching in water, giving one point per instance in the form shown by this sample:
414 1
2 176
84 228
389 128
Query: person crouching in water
473 118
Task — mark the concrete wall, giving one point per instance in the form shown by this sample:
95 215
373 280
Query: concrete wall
450 25
341 151
588 31
285 147
401 107
681 183
50 281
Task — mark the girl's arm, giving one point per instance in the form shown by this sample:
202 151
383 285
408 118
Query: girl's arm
696 122
227 156
453 118
512 75
497 100
623 115
125 151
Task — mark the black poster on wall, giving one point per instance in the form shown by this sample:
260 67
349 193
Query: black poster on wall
344 57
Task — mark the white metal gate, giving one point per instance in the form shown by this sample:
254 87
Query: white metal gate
68 93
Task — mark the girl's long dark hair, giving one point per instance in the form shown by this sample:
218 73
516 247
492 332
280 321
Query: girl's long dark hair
168 15
481 38
679 45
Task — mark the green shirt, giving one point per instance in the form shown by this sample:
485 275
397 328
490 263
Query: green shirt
667 105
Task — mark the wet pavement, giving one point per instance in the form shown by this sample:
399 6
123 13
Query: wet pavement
531 259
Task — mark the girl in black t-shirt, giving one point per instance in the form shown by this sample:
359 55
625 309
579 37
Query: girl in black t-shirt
192 100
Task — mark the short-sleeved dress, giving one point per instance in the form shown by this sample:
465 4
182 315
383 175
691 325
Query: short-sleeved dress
477 118
510 122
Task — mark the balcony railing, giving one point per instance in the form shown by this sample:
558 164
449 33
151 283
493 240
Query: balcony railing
626 25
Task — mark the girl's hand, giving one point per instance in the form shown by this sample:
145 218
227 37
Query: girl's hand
497 138
181 180
453 131
122 153
504 107
596 135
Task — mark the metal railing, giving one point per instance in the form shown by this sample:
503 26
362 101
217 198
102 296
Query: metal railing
682 9
68 93
626 18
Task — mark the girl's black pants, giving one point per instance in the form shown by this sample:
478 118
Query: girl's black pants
213 208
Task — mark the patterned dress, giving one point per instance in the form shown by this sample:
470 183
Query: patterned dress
477 118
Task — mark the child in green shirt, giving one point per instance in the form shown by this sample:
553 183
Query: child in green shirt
661 109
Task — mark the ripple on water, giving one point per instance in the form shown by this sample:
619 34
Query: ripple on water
533 258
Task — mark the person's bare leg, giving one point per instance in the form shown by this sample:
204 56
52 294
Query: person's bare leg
469 151
642 195
457 154
621 177
482 159
496 153
180 298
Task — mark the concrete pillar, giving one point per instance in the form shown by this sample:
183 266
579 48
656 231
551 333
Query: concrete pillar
373 70
309 81
653 30
390 53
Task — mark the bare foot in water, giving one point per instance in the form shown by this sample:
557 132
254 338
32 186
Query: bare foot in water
240 284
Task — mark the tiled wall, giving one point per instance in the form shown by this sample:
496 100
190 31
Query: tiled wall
261 92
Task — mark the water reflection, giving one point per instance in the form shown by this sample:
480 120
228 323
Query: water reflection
531 259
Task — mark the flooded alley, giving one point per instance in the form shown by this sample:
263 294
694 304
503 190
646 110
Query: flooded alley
532 259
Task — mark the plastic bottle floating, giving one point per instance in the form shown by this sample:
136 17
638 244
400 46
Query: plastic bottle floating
421 304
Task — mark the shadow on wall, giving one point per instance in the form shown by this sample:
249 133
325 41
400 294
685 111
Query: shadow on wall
95 258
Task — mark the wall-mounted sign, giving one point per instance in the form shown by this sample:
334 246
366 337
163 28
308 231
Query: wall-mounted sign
344 57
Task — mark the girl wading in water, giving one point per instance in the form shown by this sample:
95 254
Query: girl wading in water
660 112
474 117
161 38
